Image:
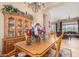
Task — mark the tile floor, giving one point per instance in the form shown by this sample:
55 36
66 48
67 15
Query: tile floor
72 44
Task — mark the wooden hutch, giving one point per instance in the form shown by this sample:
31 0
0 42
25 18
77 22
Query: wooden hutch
14 28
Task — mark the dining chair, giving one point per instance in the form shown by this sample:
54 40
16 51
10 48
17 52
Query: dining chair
12 54
55 51
58 44
8 54
51 33
25 36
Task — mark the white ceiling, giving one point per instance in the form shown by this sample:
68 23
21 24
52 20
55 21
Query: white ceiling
64 11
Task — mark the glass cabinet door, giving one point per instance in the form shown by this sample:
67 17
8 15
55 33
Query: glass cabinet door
11 27
19 28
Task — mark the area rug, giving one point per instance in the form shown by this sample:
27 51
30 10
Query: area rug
64 52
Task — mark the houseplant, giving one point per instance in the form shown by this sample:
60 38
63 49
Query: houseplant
30 16
10 9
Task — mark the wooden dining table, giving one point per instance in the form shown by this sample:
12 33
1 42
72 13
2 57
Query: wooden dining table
36 49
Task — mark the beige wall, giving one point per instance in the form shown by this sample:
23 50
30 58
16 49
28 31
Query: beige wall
1 29
39 18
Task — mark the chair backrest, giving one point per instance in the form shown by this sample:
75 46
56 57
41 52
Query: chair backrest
51 33
58 45
25 36
58 34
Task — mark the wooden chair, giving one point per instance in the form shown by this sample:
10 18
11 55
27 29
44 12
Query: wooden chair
56 47
51 33
9 54
25 36
58 44
12 54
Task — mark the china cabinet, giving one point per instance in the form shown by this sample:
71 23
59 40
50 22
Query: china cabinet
14 27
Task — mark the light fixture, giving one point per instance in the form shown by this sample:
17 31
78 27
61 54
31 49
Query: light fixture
36 6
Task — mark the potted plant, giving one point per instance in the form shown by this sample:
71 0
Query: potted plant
10 9
30 16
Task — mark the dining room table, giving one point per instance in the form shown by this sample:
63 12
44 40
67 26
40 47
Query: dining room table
36 49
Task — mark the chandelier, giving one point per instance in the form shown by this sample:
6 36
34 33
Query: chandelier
36 6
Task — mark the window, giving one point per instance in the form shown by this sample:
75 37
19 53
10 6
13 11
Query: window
70 27
53 27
